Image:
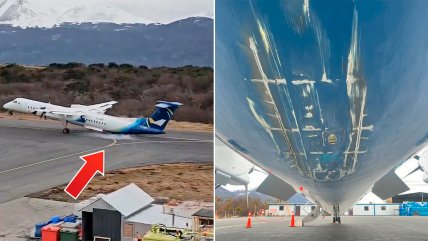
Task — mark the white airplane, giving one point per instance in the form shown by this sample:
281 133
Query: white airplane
93 117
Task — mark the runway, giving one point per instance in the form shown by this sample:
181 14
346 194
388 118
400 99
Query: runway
35 155
381 228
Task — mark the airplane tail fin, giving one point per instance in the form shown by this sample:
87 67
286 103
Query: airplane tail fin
162 114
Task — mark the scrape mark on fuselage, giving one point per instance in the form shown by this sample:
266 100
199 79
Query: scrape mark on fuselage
302 82
298 127
357 92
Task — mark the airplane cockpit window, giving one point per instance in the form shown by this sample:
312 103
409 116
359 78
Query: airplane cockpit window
15 101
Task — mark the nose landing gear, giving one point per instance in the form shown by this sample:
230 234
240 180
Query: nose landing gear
10 112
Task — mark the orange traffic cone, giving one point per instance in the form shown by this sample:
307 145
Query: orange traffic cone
248 221
292 224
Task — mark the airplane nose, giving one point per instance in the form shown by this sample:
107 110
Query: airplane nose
7 105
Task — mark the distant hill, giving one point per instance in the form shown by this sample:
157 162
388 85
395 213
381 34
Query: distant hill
223 193
47 13
183 42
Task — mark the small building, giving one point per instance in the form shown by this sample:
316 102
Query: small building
203 220
375 209
124 214
299 204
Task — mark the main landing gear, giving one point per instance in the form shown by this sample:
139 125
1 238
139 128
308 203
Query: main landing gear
65 130
336 217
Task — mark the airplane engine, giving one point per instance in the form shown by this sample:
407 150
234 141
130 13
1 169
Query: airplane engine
425 178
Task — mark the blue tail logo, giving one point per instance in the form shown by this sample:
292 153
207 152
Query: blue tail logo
162 114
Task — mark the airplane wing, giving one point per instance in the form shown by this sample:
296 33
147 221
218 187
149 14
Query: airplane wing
100 108
231 168
63 113
78 109
66 112
277 188
389 185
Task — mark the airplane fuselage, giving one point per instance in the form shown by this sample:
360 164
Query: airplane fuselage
89 119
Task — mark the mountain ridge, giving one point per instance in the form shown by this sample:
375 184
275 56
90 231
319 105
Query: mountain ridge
183 42
42 13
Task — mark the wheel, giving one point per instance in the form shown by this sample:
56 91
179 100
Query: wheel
65 131
334 219
338 220
10 112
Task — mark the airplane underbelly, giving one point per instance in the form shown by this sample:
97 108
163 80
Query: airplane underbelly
327 102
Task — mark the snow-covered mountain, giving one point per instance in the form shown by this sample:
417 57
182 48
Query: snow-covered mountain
48 13
184 42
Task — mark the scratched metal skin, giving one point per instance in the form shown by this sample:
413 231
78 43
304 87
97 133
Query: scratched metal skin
293 76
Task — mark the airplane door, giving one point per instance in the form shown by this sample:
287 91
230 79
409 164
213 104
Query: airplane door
297 211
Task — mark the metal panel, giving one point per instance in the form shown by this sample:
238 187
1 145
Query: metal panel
389 185
107 223
275 187
154 214
87 226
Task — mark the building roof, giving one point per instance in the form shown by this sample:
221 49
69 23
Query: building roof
204 212
128 199
85 203
153 214
297 199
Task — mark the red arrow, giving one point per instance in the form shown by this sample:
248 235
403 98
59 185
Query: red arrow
94 163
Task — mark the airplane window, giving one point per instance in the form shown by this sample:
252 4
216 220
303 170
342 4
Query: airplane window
366 208
383 208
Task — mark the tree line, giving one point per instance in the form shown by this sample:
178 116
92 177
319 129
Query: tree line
136 88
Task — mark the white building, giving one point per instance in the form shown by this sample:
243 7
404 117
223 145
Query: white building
298 203
375 209
285 209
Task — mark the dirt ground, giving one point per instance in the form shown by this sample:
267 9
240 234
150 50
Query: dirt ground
177 125
182 181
